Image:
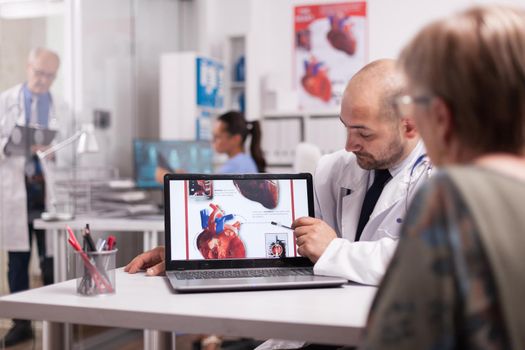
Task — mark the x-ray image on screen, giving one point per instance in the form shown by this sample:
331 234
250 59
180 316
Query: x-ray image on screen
152 156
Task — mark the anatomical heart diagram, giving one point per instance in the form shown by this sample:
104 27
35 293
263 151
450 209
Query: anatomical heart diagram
315 80
265 192
330 46
220 236
340 35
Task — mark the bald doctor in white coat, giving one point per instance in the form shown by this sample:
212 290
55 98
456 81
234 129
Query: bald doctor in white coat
376 139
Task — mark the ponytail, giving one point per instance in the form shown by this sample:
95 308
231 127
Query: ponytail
255 145
235 124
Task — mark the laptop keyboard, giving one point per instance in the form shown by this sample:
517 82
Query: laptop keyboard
242 273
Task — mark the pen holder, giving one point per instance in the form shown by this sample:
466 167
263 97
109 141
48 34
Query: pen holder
95 272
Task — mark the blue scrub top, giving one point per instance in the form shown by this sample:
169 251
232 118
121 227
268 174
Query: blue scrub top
240 164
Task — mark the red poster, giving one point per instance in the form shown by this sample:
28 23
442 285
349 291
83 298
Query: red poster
330 47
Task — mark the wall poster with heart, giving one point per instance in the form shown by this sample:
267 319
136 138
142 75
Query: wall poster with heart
330 47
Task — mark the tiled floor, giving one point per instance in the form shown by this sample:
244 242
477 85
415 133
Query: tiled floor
25 345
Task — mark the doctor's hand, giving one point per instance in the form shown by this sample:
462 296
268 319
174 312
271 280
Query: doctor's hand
42 148
36 148
152 261
312 237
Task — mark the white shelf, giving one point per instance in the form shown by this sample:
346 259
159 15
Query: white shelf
234 50
284 130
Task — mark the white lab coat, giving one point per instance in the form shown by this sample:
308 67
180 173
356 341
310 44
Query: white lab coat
13 205
340 187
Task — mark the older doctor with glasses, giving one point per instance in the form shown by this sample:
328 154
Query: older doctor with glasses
22 183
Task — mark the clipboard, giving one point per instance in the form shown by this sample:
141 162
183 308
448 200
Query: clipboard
24 136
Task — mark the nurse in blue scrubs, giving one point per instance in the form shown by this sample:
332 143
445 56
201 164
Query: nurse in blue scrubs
229 135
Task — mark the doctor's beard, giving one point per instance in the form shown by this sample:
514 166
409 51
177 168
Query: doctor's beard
392 154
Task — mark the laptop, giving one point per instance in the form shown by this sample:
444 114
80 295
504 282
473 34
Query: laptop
232 232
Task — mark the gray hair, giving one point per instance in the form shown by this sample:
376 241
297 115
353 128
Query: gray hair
475 62
37 51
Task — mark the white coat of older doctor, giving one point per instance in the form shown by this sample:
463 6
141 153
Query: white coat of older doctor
13 204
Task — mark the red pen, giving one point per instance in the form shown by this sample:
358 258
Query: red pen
111 242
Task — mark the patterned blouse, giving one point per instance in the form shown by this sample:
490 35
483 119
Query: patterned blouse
439 292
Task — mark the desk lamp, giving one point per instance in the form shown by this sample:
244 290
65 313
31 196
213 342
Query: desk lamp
87 143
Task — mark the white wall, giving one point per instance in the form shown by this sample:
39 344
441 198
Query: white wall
105 79
119 53
55 41
17 37
391 25
156 31
218 19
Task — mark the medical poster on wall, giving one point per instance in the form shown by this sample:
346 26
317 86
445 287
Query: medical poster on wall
209 94
330 47
210 83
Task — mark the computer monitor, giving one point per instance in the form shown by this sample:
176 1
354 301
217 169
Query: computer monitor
173 156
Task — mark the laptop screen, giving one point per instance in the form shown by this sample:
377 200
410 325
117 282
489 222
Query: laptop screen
234 217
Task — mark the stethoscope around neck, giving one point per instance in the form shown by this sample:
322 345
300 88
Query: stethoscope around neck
421 160
17 107
422 168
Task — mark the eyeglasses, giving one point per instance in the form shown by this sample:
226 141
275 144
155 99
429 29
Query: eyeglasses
404 104
43 74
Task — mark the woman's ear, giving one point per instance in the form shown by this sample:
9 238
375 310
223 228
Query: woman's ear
443 120
237 140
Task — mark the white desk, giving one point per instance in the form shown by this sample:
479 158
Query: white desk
150 229
329 315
